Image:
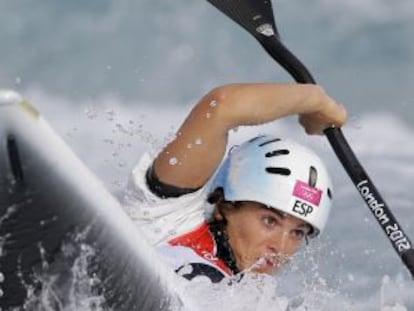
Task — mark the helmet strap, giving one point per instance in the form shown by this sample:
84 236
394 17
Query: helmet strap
224 250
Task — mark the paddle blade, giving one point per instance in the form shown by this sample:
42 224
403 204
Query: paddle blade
256 16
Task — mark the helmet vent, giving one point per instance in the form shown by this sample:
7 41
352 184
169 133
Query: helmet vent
275 153
255 138
313 176
329 193
278 170
269 142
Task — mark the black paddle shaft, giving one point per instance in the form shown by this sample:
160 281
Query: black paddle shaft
256 16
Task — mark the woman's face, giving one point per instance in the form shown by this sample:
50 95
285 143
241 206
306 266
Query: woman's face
261 238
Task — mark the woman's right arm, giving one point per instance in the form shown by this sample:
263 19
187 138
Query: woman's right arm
192 157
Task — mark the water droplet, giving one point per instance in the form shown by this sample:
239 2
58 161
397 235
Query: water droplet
110 115
198 141
108 141
1 292
213 103
355 122
45 265
1 277
173 161
91 113
208 115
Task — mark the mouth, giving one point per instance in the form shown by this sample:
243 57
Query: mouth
269 263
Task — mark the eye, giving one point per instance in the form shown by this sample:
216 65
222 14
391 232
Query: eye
270 221
299 234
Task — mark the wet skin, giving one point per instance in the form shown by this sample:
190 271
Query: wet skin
257 232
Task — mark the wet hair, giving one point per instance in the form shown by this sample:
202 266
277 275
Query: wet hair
216 196
222 205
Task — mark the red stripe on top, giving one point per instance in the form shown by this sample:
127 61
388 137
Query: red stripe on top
201 241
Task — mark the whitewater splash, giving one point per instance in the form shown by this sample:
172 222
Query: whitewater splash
247 291
66 286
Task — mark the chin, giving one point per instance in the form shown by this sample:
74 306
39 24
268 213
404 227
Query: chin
265 268
268 271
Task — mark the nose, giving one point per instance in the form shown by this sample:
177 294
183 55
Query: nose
282 243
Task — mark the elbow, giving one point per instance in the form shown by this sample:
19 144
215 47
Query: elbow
222 93
219 104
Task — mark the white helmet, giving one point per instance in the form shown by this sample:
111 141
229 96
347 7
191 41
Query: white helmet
280 174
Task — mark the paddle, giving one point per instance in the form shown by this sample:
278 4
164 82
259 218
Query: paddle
256 16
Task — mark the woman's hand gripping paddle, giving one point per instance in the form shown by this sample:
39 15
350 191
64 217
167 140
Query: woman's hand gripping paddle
256 16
